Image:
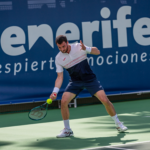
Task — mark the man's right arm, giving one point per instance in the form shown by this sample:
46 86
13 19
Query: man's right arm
59 80
58 83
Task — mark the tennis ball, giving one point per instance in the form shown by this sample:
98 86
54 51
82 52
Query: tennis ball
49 101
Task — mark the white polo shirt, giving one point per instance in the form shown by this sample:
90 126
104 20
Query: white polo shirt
75 63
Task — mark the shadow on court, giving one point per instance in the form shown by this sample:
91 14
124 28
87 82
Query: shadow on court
78 143
4 143
138 122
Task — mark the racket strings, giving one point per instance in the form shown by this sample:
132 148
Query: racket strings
37 113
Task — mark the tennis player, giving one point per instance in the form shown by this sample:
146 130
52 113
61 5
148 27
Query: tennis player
73 57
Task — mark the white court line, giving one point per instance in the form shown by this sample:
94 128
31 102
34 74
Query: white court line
115 145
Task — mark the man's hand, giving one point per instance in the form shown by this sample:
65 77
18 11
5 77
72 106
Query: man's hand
82 46
53 96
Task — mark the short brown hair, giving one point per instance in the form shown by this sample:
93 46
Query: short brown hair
60 39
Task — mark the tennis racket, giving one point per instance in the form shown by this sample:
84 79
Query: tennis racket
39 112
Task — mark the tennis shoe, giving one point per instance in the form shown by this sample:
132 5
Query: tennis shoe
65 133
120 127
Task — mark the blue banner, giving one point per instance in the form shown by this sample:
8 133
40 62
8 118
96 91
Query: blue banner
120 29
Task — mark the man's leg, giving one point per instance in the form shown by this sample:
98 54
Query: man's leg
108 105
66 98
110 109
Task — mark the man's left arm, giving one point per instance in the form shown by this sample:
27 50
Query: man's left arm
94 51
89 50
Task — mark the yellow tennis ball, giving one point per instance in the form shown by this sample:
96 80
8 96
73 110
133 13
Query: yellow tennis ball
49 101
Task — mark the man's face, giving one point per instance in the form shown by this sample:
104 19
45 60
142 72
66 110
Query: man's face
63 47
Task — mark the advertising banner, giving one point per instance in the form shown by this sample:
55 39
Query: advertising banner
120 29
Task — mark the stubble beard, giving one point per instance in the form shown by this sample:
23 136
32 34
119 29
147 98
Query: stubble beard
66 50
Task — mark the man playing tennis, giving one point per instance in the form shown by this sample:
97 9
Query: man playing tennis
73 57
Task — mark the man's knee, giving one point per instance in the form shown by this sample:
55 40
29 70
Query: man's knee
103 98
64 100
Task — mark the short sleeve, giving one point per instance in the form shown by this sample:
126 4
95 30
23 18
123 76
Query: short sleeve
59 68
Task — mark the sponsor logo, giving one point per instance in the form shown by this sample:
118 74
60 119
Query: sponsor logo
121 24
123 1
37 4
6 5
103 1
126 1
62 3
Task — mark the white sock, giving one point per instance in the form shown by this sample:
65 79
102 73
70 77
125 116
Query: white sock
115 118
66 124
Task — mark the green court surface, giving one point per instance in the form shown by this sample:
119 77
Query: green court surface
91 125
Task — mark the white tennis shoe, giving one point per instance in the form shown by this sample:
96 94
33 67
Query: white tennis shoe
65 133
120 127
